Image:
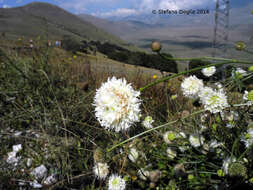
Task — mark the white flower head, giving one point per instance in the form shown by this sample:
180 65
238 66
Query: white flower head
208 71
117 105
116 182
191 86
196 140
240 71
101 170
17 148
147 122
227 162
133 155
247 138
39 172
214 101
12 159
205 91
171 153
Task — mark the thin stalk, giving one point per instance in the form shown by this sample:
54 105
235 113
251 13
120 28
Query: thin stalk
226 61
150 130
207 58
179 74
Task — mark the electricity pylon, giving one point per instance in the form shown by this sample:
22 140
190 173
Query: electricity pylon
221 30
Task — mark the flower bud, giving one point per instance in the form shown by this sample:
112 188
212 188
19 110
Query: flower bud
156 46
237 169
240 46
98 155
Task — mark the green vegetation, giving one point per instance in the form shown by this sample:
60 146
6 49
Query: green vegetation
44 109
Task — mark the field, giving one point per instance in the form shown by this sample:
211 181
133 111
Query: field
52 137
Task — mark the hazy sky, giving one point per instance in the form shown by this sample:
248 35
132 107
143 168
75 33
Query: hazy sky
111 8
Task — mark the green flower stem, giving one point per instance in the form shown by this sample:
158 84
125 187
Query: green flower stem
248 51
243 154
148 131
206 58
161 126
226 61
179 74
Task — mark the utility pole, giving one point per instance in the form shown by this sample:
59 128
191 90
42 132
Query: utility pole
221 31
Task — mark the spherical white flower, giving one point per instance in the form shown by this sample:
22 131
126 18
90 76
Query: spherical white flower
205 91
171 153
116 182
214 101
147 122
117 105
17 148
208 71
133 154
196 140
191 86
247 139
101 170
227 162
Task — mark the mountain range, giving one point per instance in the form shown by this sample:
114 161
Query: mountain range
181 35
46 19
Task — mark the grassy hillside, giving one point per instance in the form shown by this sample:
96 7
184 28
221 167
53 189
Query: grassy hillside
51 137
45 19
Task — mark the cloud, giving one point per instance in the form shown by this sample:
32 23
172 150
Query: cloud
80 6
121 12
146 6
173 4
121 8
6 6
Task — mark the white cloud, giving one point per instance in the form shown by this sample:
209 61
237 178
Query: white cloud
121 12
146 6
80 6
121 8
172 4
6 6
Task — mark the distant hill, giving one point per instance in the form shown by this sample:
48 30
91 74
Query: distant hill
117 28
45 19
181 35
